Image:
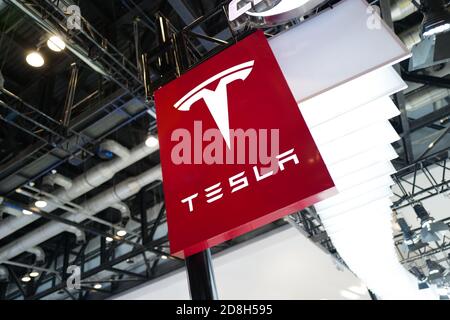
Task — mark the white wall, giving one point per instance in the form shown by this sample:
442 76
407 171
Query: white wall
280 265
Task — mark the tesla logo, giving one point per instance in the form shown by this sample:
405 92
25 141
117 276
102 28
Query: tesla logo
222 181
217 100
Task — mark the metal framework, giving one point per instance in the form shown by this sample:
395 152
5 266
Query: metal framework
437 180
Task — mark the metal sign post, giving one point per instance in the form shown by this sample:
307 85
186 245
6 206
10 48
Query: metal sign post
202 283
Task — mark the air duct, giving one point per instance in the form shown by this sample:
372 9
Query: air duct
425 96
92 206
39 254
411 36
57 179
82 184
4 274
401 9
79 235
124 210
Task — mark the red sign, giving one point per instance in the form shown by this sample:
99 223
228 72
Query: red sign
236 153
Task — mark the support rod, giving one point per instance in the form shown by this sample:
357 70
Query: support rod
202 283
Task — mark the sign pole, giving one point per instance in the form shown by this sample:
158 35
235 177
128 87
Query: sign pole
202 283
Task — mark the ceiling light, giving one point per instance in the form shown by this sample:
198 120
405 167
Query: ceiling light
34 274
164 257
97 286
27 212
418 274
436 18
431 231
56 44
40 203
121 233
26 278
435 268
35 59
151 142
54 171
109 239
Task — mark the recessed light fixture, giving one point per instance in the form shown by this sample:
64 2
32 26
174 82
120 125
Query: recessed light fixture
26 278
121 233
97 286
109 239
35 59
40 203
151 141
56 44
34 274
27 212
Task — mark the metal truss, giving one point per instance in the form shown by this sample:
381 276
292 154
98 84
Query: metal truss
437 181
85 42
308 223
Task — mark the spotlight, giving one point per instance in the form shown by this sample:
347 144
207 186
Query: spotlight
412 240
436 18
56 44
418 274
121 233
109 239
97 286
40 203
435 269
26 278
151 142
34 274
27 212
35 59
431 231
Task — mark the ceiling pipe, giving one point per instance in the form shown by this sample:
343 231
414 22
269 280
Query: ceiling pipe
80 185
57 179
104 200
115 148
401 9
4 274
80 235
39 254
124 211
425 96
411 36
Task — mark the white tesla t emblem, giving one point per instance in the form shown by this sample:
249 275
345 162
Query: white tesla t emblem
217 100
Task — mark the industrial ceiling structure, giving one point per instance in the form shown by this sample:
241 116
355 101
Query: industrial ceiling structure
80 183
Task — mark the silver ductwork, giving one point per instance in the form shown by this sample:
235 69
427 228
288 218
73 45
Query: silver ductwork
82 184
124 211
425 96
400 9
4 274
79 234
92 206
38 253
411 37
57 179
